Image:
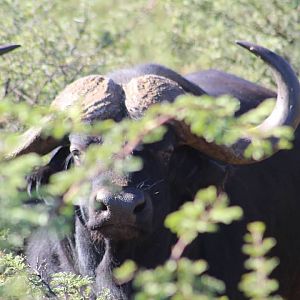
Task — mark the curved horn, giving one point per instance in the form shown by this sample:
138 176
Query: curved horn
98 98
286 111
287 108
148 89
7 48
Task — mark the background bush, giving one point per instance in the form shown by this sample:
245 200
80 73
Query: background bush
63 41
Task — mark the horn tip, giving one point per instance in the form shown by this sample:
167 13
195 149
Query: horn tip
14 46
247 45
257 50
7 48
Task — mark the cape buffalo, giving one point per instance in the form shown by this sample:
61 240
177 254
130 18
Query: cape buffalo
128 224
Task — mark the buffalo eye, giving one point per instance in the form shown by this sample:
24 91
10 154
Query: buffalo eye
77 156
138 150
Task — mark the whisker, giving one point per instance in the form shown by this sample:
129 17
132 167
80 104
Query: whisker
29 188
142 183
154 184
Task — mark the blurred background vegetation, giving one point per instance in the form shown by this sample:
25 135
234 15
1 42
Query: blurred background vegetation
64 40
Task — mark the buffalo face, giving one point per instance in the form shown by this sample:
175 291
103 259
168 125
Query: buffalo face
126 207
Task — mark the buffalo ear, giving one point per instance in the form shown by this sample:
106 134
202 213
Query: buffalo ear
41 175
59 157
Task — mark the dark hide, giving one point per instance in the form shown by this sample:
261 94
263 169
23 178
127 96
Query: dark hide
217 83
125 75
266 191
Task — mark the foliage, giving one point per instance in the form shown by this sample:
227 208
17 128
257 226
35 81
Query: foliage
256 284
16 281
202 215
62 41
182 279
70 286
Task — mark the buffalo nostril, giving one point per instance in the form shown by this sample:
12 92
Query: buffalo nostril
103 207
102 200
140 207
100 206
